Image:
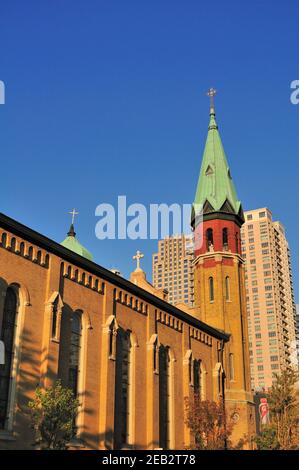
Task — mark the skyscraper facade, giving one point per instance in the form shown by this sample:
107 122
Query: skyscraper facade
172 268
270 297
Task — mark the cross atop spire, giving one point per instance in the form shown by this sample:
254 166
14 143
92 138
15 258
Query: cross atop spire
71 232
138 257
211 93
73 214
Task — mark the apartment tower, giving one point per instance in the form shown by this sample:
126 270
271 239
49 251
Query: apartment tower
270 299
172 268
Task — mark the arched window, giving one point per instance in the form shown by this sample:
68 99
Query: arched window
211 289
231 367
227 289
197 379
7 336
164 398
123 389
225 239
75 349
210 240
54 319
237 242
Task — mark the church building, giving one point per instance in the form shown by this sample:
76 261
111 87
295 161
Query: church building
129 355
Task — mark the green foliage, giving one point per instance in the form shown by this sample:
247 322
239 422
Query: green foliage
267 440
283 432
53 413
284 408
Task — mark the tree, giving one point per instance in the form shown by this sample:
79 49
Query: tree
284 409
208 423
267 439
53 413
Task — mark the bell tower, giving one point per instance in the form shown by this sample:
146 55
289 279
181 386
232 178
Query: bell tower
219 279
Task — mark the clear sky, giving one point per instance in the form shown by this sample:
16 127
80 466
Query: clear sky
107 98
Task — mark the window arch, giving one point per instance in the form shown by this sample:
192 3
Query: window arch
227 288
164 397
197 378
211 289
75 350
210 239
8 330
237 242
225 239
123 388
54 319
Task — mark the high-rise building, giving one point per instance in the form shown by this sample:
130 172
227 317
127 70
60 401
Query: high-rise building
270 297
172 268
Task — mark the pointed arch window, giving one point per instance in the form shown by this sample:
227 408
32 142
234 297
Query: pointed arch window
123 388
8 330
227 289
164 397
211 289
225 239
197 379
237 242
54 319
210 239
75 350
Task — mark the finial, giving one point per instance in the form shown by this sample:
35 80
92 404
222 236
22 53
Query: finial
211 93
138 257
71 232
73 214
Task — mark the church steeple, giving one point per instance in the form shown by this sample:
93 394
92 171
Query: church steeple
219 273
215 189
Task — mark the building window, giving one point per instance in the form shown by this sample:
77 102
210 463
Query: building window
75 349
197 378
225 239
164 398
237 242
123 386
54 319
210 241
211 289
227 289
8 337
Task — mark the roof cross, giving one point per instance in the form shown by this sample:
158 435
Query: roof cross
211 93
73 214
138 257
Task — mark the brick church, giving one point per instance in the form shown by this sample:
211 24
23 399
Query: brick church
129 355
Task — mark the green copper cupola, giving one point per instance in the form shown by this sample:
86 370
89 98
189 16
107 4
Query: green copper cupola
72 243
215 189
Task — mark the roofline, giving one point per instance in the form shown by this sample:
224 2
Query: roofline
220 215
53 247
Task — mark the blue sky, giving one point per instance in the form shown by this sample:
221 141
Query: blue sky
107 98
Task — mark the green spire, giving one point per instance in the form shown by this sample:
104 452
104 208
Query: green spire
72 243
215 188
